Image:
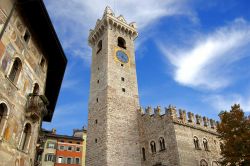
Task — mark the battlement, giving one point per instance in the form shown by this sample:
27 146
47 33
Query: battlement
109 20
184 118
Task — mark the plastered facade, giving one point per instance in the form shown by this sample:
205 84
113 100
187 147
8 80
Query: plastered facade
15 94
119 131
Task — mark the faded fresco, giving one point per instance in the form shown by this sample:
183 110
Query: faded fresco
8 54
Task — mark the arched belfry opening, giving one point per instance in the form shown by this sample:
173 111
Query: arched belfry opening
121 42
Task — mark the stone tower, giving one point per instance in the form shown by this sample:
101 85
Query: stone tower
113 137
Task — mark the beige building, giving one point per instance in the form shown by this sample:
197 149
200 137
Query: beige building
119 131
32 65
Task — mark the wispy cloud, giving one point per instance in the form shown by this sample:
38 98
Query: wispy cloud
74 18
205 65
223 102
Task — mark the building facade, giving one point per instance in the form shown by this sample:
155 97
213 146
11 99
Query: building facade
29 81
62 150
122 133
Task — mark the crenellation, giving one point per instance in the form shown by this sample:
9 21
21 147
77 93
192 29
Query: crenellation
205 121
198 119
171 112
182 115
157 111
212 123
190 117
148 110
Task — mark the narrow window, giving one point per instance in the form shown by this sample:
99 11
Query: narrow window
25 137
196 143
3 114
143 154
123 89
15 70
26 37
122 65
96 121
98 68
69 160
97 100
153 147
162 143
121 42
95 140
77 160
98 81
51 145
99 46
123 79
42 63
36 89
61 147
205 143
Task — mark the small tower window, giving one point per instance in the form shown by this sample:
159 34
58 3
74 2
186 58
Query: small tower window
143 154
96 121
98 81
97 100
123 79
15 70
205 143
99 46
162 143
121 42
153 147
95 140
123 89
26 36
122 65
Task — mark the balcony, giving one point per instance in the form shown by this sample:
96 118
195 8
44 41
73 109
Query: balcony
36 106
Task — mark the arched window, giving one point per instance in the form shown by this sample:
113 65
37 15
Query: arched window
15 70
25 137
99 46
203 163
3 115
143 154
205 143
162 143
196 143
153 146
121 42
36 89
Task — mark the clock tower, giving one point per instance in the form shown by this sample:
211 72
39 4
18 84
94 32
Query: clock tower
113 136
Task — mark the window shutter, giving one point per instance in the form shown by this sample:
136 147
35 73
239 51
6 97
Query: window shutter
46 157
73 161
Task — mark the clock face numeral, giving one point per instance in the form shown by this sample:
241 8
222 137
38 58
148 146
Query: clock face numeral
122 56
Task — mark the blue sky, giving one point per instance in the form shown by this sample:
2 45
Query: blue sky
193 54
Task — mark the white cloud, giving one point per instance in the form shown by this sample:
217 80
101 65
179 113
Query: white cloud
223 102
205 65
74 18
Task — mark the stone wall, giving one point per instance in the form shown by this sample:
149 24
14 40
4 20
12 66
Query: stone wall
178 132
14 94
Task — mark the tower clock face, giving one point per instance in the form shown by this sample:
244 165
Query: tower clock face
122 56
